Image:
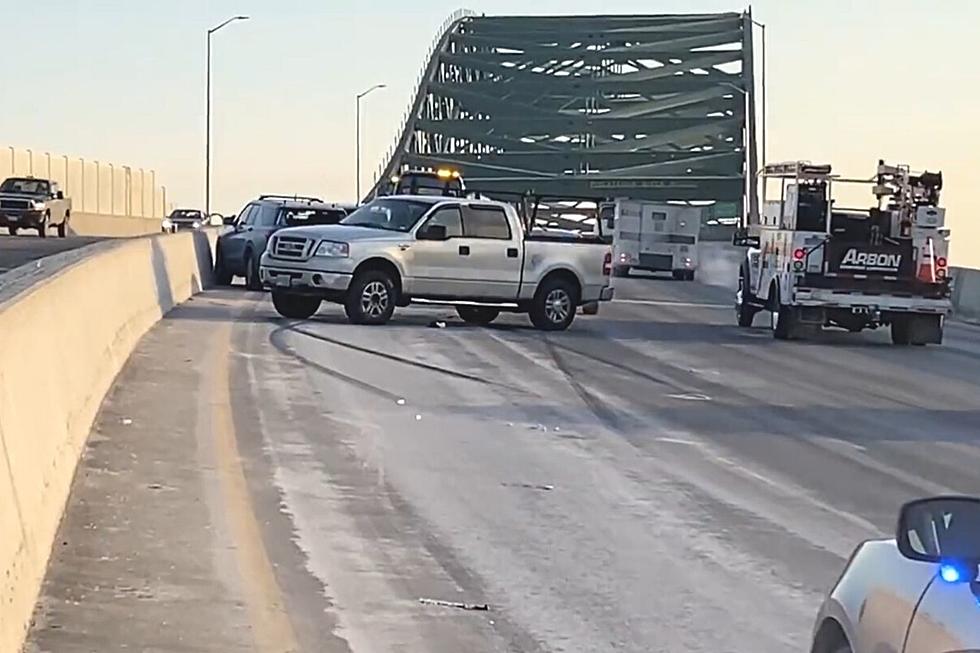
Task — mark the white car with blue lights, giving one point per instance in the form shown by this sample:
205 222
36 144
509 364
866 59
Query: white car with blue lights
916 593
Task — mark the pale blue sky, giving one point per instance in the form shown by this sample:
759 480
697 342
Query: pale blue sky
123 81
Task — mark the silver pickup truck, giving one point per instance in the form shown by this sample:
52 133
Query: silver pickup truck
471 254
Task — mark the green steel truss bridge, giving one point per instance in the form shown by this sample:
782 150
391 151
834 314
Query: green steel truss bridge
650 107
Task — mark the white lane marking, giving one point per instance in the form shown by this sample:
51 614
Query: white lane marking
660 302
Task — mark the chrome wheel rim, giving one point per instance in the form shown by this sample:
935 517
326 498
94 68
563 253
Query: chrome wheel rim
374 299
557 305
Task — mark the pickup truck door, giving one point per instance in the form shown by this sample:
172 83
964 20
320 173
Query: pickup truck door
492 252
435 269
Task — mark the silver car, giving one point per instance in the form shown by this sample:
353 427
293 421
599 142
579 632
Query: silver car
917 593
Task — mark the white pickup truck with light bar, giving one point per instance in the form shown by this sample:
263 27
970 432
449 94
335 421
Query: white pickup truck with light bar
813 264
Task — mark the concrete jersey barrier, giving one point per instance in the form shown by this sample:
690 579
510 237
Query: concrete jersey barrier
966 293
65 338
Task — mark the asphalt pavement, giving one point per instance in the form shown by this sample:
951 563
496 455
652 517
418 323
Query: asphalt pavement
19 250
653 479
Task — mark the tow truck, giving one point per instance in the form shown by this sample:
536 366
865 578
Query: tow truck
814 265
443 181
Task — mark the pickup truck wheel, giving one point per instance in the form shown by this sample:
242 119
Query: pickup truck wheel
477 314
744 311
370 298
42 226
554 304
901 331
295 307
783 319
12 231
252 281
222 275
63 228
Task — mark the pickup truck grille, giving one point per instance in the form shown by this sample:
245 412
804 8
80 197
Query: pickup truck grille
15 204
291 247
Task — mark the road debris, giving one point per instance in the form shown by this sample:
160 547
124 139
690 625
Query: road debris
455 604
126 421
531 486
400 402
418 418
691 396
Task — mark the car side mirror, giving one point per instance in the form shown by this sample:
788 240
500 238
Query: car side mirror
942 529
60 195
433 232
229 220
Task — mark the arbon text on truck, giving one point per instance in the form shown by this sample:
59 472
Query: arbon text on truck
814 264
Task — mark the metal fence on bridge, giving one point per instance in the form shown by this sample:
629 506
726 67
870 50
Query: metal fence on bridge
93 186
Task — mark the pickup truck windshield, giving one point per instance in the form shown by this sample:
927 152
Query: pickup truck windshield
186 215
28 186
389 214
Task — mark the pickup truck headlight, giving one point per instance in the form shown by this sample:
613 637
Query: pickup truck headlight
37 206
167 223
332 249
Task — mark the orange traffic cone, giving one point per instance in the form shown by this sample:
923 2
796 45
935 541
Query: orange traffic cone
927 264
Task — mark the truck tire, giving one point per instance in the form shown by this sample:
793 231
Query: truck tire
252 281
901 331
679 275
222 275
554 304
477 314
63 227
745 312
783 319
12 231
42 226
689 275
370 298
293 306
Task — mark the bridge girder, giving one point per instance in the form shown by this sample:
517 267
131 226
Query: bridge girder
651 107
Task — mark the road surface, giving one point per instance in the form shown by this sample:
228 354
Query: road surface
654 479
18 250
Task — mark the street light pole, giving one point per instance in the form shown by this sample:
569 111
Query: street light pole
763 139
357 131
207 111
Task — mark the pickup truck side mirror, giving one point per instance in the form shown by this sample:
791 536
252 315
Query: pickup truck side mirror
230 219
433 232
60 195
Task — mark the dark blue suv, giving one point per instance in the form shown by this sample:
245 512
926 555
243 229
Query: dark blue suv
239 249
